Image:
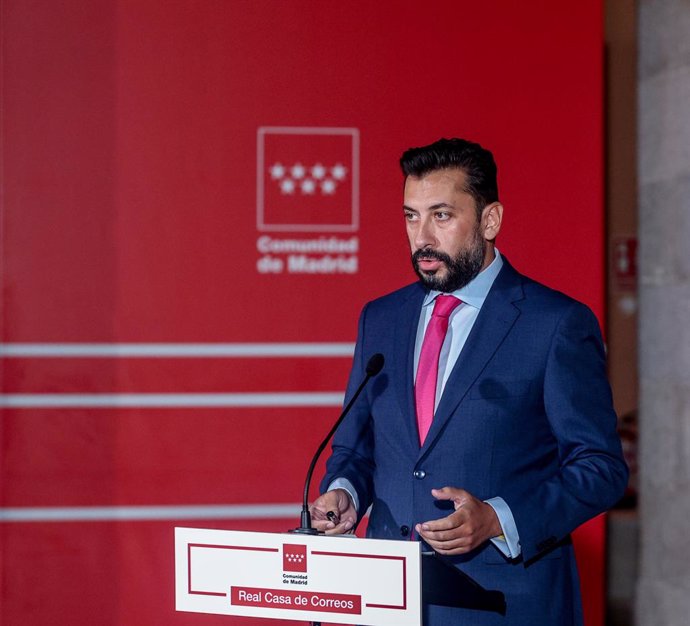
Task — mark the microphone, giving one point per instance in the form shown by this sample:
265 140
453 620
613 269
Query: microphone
374 366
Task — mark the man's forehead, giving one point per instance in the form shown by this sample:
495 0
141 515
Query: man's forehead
451 180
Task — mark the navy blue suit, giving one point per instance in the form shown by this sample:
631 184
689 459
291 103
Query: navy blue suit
525 415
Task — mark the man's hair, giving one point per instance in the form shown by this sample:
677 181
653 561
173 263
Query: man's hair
476 162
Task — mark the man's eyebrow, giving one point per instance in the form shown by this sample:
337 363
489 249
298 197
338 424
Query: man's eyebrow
433 207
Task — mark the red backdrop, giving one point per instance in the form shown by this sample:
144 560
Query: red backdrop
144 203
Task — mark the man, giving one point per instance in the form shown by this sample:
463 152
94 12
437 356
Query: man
490 434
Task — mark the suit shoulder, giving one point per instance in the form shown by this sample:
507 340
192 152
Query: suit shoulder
546 300
557 298
396 298
535 289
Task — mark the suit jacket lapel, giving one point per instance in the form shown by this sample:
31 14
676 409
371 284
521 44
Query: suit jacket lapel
403 355
495 320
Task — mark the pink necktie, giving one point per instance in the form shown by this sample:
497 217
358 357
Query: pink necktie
427 369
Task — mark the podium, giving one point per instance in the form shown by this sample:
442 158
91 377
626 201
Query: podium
310 578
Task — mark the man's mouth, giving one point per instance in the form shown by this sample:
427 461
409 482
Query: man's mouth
428 264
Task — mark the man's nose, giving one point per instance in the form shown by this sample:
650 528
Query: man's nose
424 236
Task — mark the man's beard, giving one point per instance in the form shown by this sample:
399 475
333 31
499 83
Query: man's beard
459 270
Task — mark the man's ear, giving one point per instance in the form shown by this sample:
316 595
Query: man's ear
492 216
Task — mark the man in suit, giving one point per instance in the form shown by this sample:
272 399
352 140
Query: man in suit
490 433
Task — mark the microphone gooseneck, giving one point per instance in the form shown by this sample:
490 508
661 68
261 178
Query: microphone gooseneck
373 367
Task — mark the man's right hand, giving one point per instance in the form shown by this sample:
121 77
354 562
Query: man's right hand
343 514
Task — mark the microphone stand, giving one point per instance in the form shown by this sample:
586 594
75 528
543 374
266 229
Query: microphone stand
374 366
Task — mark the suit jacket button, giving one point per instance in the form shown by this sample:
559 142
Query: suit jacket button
419 474
404 530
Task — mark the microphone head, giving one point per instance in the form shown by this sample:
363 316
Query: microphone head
375 364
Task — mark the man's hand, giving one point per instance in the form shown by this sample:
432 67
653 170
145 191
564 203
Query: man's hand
333 512
472 523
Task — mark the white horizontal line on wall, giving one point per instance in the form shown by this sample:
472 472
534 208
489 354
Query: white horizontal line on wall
176 350
168 400
133 513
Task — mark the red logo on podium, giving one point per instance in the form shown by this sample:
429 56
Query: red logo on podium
294 558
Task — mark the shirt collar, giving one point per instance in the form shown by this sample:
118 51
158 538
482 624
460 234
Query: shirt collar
474 293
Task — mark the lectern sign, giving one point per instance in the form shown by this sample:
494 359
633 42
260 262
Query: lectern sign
299 577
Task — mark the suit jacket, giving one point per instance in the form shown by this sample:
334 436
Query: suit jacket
526 415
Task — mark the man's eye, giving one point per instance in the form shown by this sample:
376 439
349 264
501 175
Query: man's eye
441 215
410 216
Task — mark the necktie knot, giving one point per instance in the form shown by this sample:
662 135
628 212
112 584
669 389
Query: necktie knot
445 305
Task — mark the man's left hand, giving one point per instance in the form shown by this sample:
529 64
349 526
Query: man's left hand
471 524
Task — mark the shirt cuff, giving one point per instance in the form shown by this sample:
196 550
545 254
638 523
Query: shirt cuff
344 483
509 542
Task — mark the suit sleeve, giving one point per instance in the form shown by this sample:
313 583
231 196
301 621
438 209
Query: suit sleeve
352 450
577 400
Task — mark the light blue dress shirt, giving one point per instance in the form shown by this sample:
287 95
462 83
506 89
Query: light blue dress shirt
461 321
